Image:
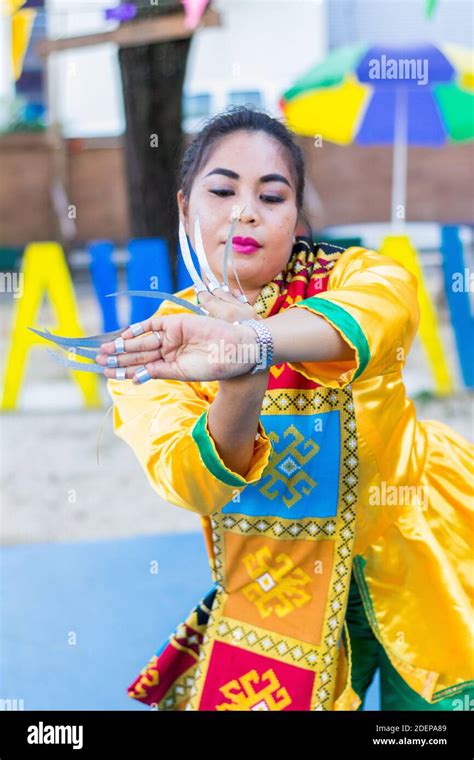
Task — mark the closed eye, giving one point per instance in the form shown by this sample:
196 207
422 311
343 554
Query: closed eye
266 198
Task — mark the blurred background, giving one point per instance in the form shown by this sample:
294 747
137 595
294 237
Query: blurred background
96 101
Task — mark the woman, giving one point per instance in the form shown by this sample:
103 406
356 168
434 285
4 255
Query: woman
336 523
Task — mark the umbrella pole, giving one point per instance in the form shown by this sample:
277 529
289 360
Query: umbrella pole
399 161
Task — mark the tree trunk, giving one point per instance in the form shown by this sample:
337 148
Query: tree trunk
152 80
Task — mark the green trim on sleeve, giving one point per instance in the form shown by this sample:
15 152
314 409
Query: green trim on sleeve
210 456
345 322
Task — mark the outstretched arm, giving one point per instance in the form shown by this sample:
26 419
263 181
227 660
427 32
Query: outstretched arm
204 348
186 353
364 324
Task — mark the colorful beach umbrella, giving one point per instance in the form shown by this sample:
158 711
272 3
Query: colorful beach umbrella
420 95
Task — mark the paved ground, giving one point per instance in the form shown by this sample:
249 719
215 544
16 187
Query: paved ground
80 620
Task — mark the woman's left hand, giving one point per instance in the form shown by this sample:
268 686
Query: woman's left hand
226 305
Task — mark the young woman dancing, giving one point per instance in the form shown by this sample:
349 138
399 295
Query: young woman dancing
336 523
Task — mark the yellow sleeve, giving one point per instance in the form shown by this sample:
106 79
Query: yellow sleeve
372 302
165 422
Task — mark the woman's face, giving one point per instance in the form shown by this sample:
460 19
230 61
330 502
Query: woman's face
250 170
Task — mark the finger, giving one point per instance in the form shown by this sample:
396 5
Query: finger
117 374
162 370
151 371
206 300
148 342
199 294
225 295
127 359
240 296
222 293
203 296
221 307
137 328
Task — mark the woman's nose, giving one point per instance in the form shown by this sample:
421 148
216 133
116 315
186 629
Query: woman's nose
248 214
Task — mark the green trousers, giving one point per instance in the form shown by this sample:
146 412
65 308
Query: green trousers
368 655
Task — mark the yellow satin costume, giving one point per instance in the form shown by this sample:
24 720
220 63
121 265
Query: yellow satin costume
413 535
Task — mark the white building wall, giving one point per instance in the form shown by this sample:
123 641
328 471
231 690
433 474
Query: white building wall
262 44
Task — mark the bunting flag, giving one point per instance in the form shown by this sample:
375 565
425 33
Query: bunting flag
194 10
21 27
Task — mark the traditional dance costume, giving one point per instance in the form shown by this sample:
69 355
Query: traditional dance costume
348 540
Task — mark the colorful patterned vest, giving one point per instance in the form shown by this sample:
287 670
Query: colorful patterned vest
267 634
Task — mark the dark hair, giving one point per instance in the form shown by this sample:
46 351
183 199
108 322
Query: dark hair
231 120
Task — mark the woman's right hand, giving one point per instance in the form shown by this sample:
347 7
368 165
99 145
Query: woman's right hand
185 347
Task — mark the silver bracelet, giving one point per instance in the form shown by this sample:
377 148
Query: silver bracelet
264 344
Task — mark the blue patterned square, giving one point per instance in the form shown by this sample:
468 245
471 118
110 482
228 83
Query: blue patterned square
302 476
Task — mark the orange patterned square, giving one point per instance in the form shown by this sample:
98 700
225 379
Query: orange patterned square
279 585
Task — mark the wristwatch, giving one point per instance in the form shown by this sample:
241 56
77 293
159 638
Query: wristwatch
264 344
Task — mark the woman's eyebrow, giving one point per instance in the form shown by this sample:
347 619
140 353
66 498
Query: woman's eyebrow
234 175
